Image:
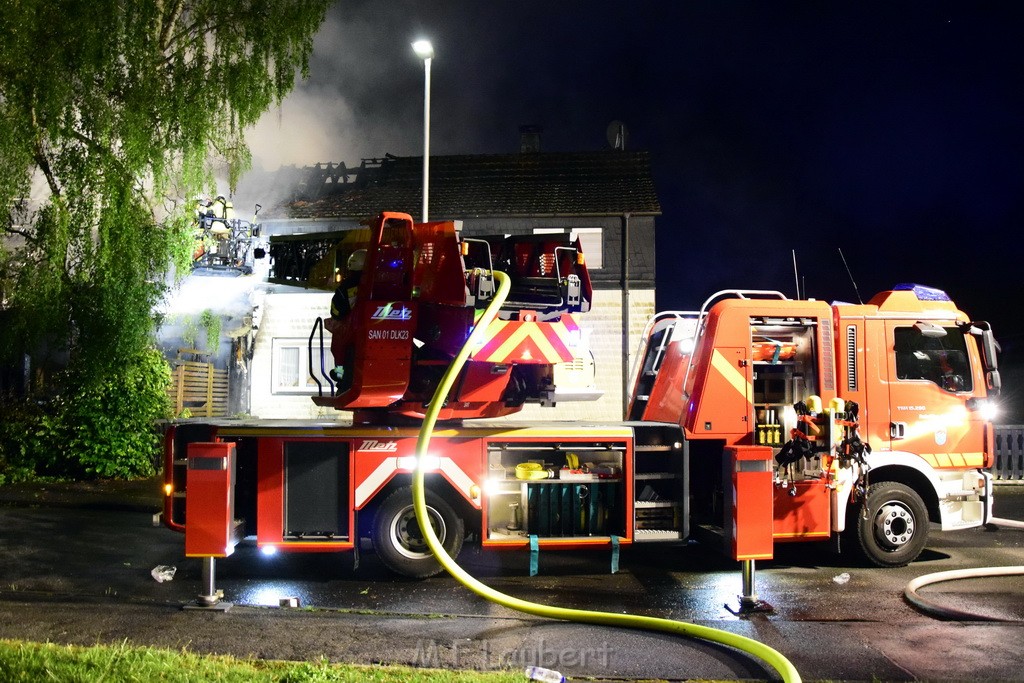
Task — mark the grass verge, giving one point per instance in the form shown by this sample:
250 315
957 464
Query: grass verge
25 661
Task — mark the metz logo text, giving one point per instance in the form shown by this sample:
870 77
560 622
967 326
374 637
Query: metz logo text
379 446
392 313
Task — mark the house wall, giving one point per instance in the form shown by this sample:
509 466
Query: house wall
290 316
609 276
641 242
604 323
285 316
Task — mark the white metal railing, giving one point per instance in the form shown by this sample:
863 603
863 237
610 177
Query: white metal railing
1009 464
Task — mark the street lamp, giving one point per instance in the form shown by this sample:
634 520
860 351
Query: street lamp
425 51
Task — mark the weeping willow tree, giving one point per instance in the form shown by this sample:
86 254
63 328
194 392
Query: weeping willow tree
112 114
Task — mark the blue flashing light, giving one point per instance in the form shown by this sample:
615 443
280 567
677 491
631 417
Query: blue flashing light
922 292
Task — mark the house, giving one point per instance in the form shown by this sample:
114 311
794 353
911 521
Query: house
606 198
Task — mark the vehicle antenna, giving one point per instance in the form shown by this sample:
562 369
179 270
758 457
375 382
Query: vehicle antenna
852 282
796 275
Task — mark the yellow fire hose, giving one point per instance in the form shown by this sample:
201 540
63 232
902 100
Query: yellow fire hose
753 647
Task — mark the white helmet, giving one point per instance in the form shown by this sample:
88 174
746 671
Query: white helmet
356 260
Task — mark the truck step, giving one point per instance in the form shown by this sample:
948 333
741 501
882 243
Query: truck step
653 535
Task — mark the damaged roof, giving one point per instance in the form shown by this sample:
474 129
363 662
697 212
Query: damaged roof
611 182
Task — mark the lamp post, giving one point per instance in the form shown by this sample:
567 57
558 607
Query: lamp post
425 51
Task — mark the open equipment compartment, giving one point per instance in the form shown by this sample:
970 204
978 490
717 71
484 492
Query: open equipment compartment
556 490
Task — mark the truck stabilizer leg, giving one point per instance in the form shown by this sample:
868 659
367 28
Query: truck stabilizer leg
211 599
748 600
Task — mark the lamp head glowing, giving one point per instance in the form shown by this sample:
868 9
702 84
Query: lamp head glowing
423 49
989 411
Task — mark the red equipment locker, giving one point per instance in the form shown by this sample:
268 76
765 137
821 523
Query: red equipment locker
210 482
748 509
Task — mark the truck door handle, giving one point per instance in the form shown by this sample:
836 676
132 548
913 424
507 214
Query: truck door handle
897 430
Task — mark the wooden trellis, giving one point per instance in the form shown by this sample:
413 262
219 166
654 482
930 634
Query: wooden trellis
199 387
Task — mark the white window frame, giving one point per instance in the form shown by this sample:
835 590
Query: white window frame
281 345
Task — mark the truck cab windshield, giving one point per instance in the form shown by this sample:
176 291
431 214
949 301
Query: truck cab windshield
941 360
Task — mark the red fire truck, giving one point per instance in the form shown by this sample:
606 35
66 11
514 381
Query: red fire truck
755 420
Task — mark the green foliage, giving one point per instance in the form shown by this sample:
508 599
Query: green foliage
211 324
108 426
101 427
112 114
19 446
189 332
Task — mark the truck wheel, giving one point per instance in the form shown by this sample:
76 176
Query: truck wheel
892 524
399 542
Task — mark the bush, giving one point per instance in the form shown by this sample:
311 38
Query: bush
98 428
19 422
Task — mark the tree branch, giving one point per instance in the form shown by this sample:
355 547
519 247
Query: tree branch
39 155
29 236
170 20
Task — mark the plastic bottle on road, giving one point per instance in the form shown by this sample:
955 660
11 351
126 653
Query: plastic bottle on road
539 673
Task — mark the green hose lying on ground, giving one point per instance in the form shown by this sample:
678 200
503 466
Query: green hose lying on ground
769 655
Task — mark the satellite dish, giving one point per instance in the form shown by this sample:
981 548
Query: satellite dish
617 135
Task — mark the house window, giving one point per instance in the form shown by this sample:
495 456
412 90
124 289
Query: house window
290 367
590 240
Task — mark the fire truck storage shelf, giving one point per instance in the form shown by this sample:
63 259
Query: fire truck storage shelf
556 490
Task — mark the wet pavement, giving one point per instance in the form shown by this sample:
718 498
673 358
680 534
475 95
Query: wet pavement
75 567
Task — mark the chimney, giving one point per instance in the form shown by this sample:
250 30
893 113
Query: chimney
529 139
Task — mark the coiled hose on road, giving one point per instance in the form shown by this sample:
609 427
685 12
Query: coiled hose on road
929 607
774 658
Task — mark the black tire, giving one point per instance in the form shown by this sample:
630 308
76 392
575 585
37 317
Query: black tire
400 544
892 525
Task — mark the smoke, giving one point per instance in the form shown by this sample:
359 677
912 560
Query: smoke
362 99
770 128
306 128
491 73
346 109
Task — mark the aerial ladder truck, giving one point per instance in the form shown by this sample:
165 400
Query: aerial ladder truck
753 421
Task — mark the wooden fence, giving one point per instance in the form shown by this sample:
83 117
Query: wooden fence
199 387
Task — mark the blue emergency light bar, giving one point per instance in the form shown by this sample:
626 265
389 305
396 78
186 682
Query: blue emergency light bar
922 292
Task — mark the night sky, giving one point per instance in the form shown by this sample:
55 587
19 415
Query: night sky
894 131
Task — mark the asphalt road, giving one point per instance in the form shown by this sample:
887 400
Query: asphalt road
78 571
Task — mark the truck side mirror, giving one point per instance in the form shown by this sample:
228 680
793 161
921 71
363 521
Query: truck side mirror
989 349
986 340
989 354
